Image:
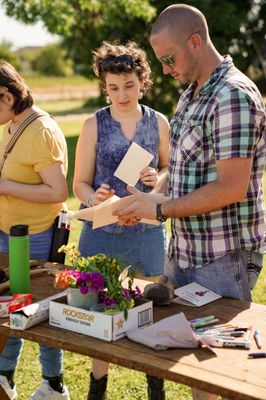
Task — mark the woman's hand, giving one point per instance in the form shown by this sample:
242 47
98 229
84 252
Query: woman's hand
103 193
149 176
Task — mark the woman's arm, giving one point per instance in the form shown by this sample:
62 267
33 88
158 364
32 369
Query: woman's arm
85 166
53 188
85 160
149 176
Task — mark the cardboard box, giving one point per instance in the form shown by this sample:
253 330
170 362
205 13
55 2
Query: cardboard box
109 327
33 314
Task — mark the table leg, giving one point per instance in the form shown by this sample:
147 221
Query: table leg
3 395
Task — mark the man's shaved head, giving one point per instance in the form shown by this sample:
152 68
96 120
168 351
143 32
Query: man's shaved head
181 20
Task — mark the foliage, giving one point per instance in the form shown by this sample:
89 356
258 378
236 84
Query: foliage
7 55
235 26
114 294
52 60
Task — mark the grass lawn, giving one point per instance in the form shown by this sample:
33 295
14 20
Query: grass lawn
123 383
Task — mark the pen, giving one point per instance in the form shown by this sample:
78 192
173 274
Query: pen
257 339
203 323
257 355
224 327
207 318
218 342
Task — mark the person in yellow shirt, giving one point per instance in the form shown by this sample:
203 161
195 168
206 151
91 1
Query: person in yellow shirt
32 191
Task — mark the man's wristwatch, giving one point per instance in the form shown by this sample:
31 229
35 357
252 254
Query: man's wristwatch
159 216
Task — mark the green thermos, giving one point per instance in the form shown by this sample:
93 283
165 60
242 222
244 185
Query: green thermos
19 259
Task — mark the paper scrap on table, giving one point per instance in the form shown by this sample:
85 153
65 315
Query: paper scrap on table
134 161
195 294
174 331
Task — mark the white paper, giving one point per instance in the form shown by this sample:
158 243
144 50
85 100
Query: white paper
196 294
134 161
174 331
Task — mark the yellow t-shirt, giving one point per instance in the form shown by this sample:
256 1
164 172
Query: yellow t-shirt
40 145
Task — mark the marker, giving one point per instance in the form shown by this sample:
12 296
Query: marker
237 329
217 342
257 339
203 323
217 327
257 355
208 318
247 335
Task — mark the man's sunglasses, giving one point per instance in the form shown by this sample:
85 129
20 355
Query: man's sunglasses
170 60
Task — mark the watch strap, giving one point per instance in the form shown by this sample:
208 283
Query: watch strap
159 216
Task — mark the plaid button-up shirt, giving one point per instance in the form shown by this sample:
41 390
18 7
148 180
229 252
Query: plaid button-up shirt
226 119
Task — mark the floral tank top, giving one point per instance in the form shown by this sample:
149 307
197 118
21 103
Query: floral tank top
112 146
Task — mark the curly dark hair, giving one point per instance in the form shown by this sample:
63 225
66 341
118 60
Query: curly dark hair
11 81
117 58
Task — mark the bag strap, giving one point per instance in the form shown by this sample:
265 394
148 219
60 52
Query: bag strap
17 134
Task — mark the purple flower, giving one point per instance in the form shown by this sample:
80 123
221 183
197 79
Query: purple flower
84 290
97 281
109 302
126 294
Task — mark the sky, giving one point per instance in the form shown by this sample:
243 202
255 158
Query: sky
21 35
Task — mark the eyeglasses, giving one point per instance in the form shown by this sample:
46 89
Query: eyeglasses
170 60
117 62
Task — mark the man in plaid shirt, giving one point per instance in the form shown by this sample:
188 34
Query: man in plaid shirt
216 164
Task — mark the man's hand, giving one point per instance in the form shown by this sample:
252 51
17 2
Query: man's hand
142 207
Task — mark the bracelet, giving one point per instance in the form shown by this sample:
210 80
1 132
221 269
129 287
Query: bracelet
90 200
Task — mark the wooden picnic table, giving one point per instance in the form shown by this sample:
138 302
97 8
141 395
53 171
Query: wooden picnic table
229 373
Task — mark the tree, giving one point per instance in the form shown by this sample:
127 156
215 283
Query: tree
52 60
7 55
235 25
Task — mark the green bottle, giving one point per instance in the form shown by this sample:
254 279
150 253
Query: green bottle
19 259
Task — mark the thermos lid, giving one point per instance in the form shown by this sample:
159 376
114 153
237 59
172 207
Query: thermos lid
19 230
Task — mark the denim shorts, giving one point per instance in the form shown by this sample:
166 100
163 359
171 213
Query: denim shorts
233 275
146 249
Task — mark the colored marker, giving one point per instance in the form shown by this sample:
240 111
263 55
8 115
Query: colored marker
218 342
257 355
207 318
204 323
221 326
257 339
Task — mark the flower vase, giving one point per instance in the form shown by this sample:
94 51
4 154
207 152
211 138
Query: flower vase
76 299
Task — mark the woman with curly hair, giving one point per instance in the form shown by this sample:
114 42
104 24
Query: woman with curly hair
125 75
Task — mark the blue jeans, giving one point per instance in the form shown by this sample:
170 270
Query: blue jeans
146 249
51 358
233 275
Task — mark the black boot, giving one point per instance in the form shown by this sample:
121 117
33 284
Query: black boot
155 388
97 389
56 383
